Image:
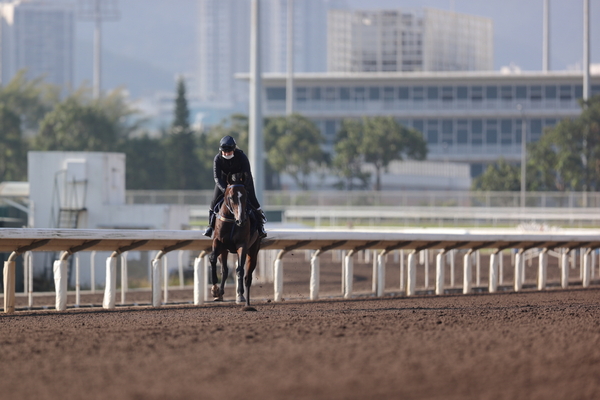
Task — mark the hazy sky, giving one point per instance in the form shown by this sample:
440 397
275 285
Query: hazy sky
155 39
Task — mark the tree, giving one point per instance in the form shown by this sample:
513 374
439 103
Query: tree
293 144
30 100
73 126
568 156
182 165
145 163
501 176
378 141
13 149
348 159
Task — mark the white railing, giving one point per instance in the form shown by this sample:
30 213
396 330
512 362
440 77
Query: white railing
68 242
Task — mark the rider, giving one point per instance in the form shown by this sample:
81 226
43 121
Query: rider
231 160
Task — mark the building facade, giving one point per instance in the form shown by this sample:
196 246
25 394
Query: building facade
469 117
37 36
408 40
224 43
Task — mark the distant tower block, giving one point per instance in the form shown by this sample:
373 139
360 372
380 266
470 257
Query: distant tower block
98 11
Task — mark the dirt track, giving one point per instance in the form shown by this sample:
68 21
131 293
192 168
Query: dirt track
531 345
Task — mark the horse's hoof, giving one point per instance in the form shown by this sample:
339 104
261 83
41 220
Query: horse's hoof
215 291
240 299
218 298
248 308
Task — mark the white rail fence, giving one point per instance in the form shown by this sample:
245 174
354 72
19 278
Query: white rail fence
417 243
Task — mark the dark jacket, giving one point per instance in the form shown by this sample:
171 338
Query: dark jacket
222 167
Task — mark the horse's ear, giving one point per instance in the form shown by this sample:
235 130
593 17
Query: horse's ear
230 178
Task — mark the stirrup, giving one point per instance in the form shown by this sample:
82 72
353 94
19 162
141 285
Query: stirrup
262 233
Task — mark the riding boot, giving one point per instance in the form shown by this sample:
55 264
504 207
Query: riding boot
211 224
261 224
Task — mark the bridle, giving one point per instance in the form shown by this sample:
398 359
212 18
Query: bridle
221 217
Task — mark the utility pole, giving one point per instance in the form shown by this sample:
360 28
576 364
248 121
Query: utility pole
98 11
586 50
256 144
546 39
523 154
289 91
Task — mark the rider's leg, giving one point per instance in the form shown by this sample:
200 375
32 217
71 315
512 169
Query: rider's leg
211 214
256 205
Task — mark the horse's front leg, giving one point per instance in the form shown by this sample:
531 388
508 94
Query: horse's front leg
224 272
240 275
215 292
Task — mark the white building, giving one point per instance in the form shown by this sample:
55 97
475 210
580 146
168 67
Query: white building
468 117
224 43
408 40
38 36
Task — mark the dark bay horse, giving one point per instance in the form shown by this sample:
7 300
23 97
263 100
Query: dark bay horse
233 234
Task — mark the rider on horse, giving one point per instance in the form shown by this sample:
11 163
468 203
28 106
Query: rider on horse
231 160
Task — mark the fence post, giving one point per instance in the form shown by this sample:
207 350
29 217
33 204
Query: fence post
519 266
199 279
467 272
60 269
493 283
411 280
564 278
110 287
439 273
315 273
542 269
380 278
348 274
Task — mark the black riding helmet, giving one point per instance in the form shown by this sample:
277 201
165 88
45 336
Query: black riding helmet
227 144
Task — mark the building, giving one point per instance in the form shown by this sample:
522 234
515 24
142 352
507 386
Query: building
37 36
224 44
408 40
469 117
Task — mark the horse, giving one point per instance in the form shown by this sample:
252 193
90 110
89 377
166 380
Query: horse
233 234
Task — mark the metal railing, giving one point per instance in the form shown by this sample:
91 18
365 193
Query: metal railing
408 198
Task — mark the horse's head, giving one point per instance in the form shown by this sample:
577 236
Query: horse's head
236 197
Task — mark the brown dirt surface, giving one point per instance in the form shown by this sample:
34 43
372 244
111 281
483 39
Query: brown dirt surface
527 345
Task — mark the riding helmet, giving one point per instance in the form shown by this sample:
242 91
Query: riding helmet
227 144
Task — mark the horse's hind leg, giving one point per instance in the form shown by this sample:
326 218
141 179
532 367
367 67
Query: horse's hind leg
251 261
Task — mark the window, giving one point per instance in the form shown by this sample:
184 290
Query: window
535 93
521 92
432 93
506 92
579 91
301 94
277 93
491 92
519 130
388 93
447 93
330 94
566 92
359 94
506 132
403 93
477 132
491 131
417 93
316 93
536 130
448 131
344 93
432 131
419 125
550 92
462 131
462 92
476 93
374 93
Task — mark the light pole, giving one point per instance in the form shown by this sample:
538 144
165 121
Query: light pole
523 153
